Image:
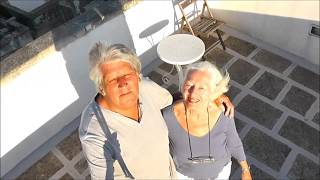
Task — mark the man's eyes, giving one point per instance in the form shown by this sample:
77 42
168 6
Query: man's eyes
127 76
112 81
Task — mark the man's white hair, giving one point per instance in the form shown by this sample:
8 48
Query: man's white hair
102 53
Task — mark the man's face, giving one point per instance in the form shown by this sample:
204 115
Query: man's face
120 83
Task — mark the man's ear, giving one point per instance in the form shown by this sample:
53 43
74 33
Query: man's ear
140 76
101 91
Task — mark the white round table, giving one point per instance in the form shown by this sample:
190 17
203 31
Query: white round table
180 49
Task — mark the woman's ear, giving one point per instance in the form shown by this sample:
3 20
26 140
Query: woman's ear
101 91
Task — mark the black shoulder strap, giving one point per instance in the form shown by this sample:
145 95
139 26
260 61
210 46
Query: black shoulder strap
106 130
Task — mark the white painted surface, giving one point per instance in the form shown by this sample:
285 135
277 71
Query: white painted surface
143 16
33 98
181 49
28 119
42 100
284 24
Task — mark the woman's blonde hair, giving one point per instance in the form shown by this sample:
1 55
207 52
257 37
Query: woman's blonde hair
218 81
102 53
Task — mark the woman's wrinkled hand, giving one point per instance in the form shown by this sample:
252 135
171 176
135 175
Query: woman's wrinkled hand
224 102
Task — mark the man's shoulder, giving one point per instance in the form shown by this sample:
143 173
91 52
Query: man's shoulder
149 86
148 83
87 112
87 119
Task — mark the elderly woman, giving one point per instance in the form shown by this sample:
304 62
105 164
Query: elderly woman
202 138
131 106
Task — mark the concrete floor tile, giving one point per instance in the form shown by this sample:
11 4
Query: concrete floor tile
239 124
257 173
66 177
173 89
242 47
304 168
168 67
265 149
298 100
242 71
316 118
269 85
219 57
306 78
43 169
235 165
70 146
209 41
156 77
81 166
233 92
271 60
88 177
301 134
259 111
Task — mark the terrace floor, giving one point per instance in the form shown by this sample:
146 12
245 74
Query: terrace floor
277 116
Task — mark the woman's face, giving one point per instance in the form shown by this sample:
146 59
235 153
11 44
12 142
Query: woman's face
196 89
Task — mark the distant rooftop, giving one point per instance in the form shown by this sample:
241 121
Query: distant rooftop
27 5
41 16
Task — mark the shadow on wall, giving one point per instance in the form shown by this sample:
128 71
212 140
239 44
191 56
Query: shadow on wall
287 33
147 33
72 43
193 11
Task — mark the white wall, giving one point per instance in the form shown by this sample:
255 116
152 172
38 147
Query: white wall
43 99
284 24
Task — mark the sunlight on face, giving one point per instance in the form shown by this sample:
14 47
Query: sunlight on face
121 84
196 89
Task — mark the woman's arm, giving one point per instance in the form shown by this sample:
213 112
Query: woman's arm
224 103
235 146
245 175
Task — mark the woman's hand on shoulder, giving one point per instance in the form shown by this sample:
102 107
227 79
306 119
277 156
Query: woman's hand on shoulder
178 107
225 104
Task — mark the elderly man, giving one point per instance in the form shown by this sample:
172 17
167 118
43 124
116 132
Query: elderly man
131 106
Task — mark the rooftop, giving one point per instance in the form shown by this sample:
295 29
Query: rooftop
277 116
275 91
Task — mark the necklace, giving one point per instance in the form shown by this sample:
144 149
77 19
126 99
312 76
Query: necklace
199 159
